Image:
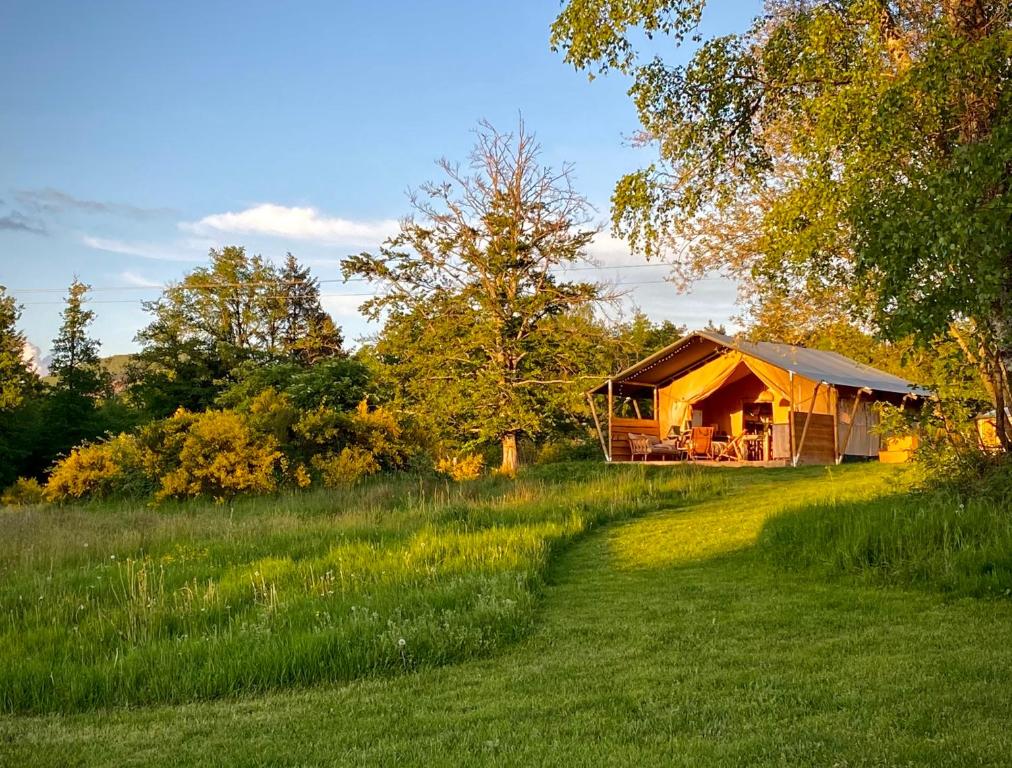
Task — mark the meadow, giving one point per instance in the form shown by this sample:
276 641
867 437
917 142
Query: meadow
123 604
664 616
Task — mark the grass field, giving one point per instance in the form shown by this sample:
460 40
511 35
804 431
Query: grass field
693 629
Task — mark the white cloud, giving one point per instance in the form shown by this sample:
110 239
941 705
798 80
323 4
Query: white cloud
300 223
32 355
342 306
187 251
611 251
134 279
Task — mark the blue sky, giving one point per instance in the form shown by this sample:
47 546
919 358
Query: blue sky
136 135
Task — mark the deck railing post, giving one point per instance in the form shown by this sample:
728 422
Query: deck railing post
808 418
597 425
611 435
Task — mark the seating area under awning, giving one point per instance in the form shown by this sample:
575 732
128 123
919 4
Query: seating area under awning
766 402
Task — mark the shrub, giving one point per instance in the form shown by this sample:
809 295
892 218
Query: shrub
99 470
272 413
23 492
459 468
379 433
220 456
320 427
346 468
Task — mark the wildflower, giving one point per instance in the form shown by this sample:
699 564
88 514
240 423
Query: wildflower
402 642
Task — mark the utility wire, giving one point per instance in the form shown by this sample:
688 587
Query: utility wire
219 286
322 295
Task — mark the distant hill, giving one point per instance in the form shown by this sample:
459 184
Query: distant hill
116 365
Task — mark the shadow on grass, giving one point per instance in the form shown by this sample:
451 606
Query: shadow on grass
837 523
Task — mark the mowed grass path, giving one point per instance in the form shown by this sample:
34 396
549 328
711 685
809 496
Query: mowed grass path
660 641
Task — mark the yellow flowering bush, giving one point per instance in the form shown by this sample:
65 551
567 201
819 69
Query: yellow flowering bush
97 470
220 456
459 468
22 492
346 468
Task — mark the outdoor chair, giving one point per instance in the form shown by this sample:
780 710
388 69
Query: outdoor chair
648 445
701 443
732 450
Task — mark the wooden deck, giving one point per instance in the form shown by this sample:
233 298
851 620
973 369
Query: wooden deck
707 463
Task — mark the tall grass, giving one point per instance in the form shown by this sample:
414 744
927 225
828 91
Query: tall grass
933 539
118 604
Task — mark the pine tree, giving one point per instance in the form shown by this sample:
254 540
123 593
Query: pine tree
17 379
76 364
309 334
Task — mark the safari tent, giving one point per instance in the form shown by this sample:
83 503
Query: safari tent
760 402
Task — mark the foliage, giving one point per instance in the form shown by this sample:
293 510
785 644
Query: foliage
842 156
98 471
218 456
339 383
24 491
17 380
240 309
308 333
348 467
459 468
75 364
479 327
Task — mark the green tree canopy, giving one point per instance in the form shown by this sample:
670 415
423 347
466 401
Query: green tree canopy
482 331
854 153
17 379
238 310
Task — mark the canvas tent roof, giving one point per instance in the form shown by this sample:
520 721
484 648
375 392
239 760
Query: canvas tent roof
699 347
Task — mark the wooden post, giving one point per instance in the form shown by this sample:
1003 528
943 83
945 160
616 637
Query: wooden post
597 424
610 417
835 394
636 407
853 414
790 420
808 418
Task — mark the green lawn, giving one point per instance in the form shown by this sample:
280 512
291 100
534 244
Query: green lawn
662 639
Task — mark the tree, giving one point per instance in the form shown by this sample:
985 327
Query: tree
71 409
479 325
20 391
17 379
238 311
861 149
75 364
308 333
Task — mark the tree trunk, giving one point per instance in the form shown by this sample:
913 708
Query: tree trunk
510 459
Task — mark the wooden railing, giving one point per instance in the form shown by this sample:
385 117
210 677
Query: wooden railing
620 428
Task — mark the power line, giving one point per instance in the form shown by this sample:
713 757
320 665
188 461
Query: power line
322 295
220 286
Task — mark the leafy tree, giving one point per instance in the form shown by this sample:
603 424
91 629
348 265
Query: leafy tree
340 383
860 150
639 337
479 325
308 333
236 312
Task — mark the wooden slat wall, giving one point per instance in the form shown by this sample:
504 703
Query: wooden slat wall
820 444
622 427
